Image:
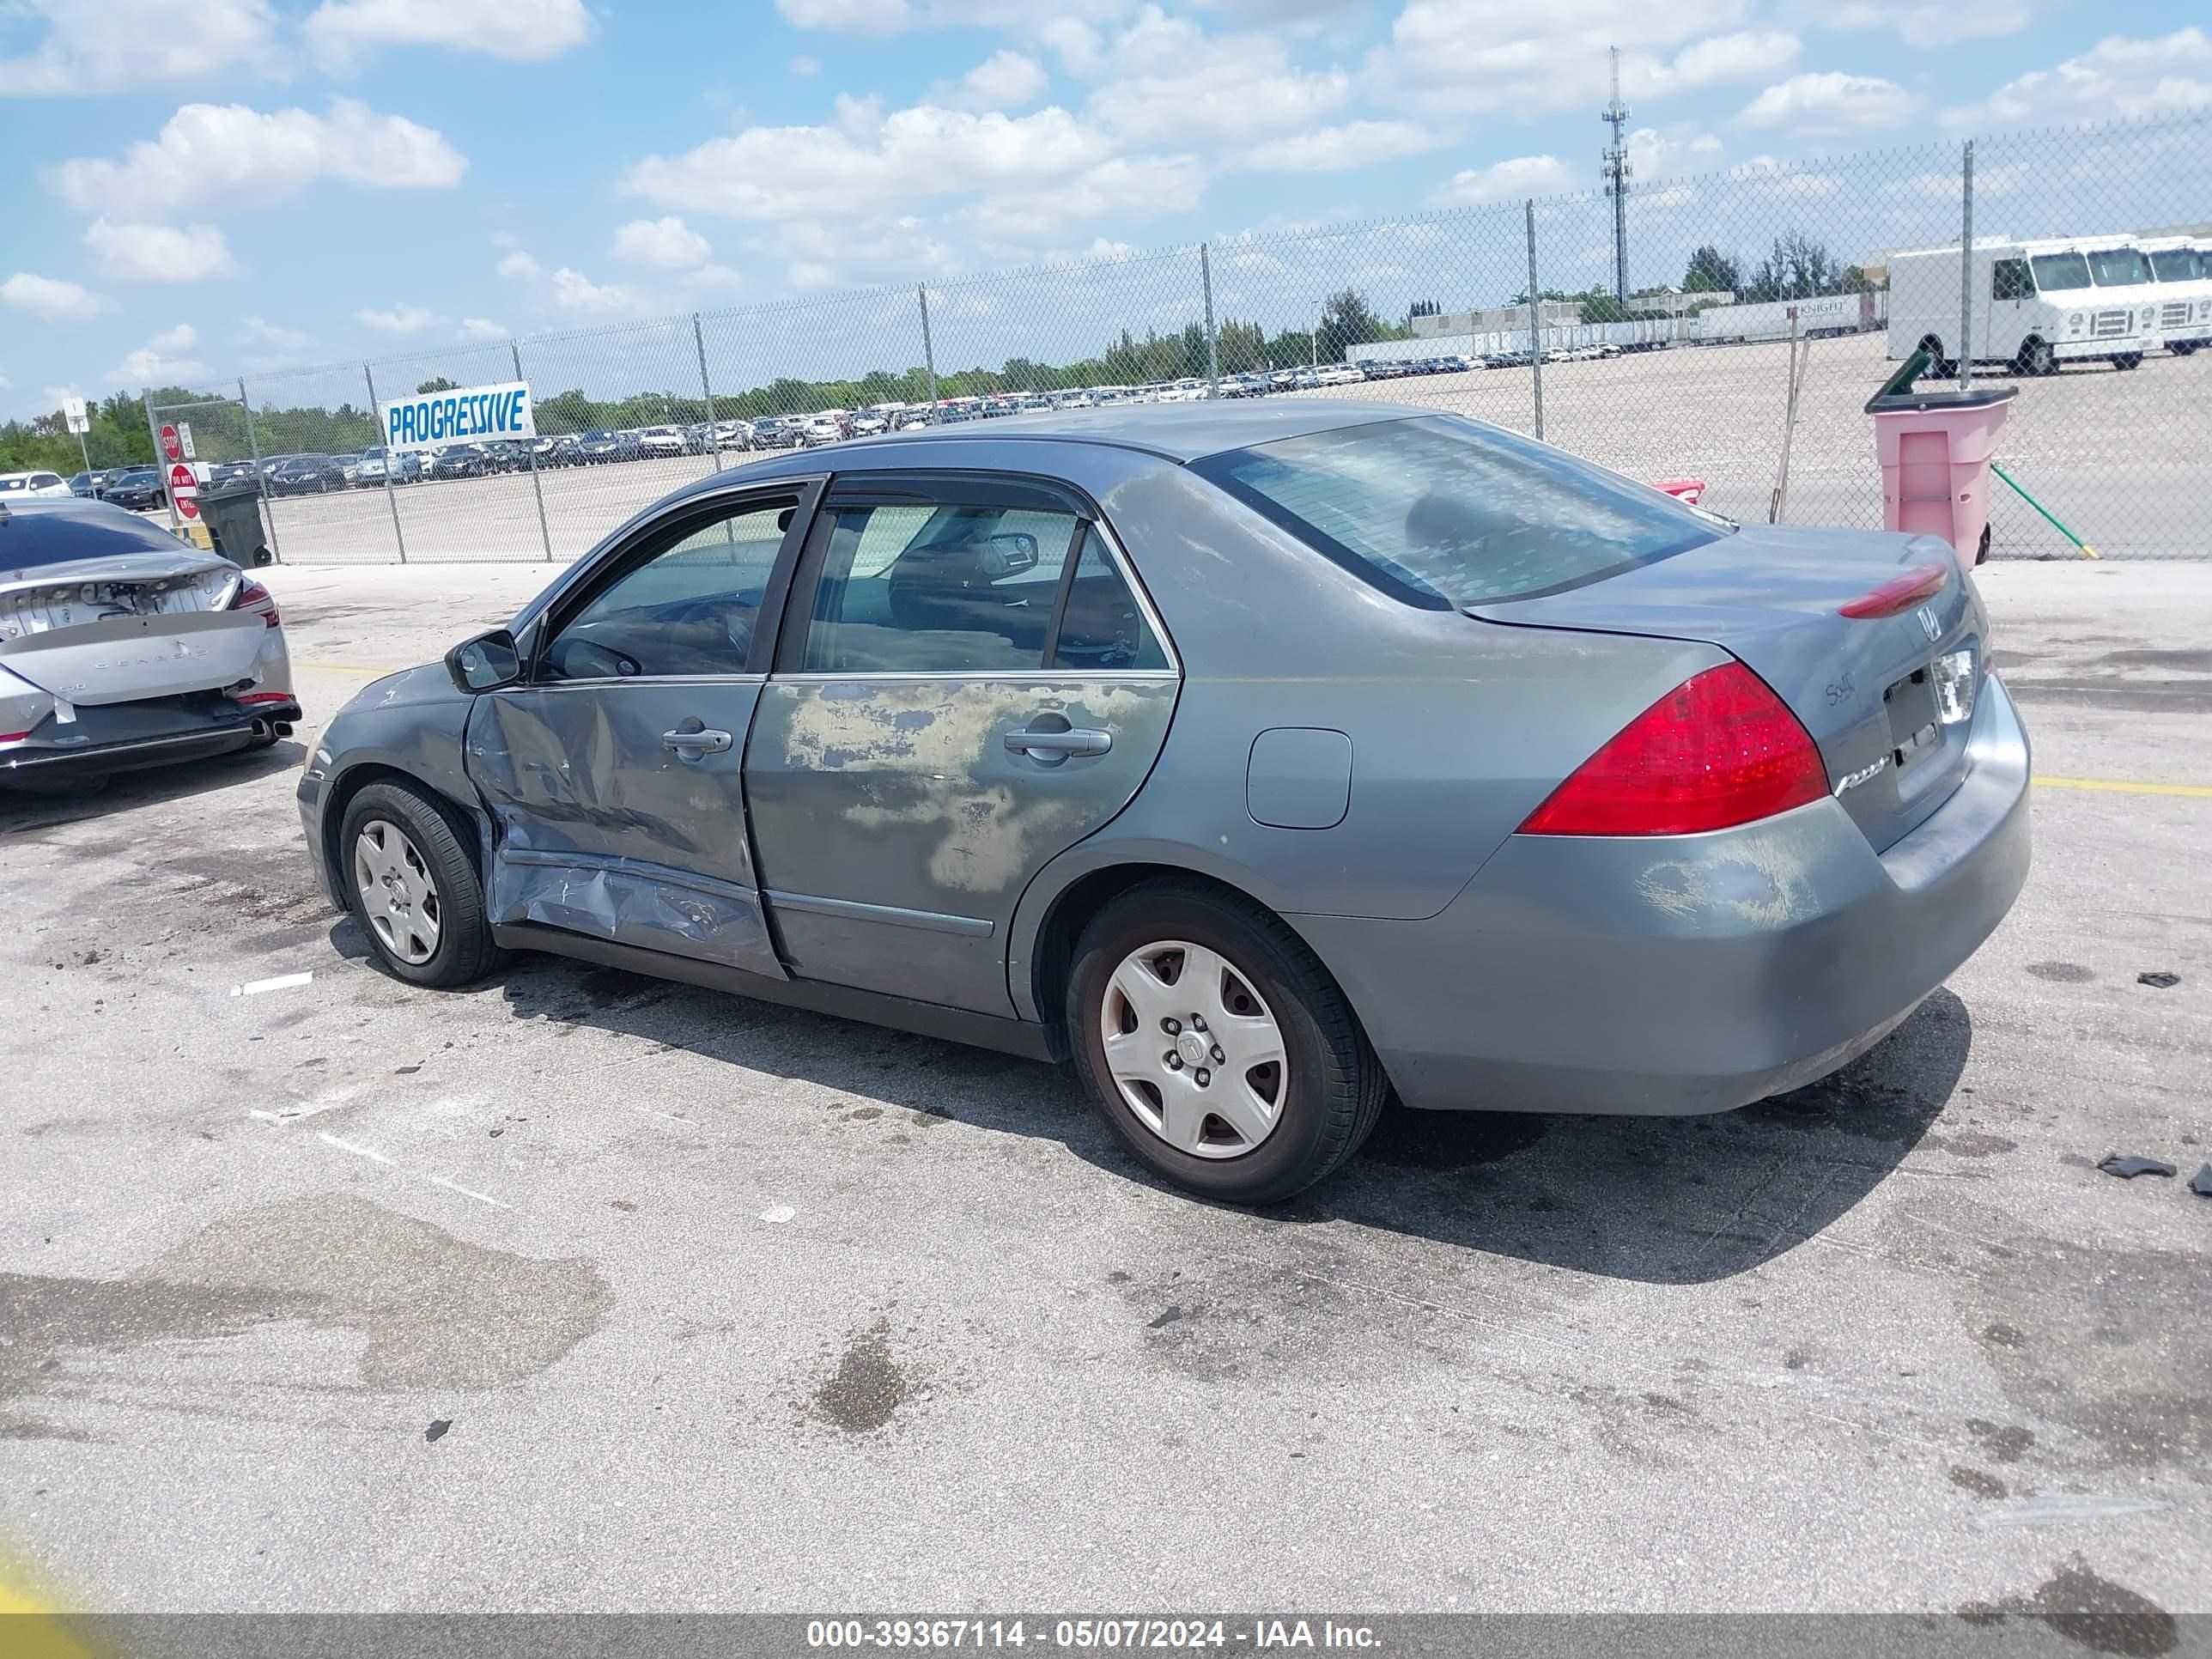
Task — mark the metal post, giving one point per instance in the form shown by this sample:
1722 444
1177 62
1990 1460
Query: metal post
161 465
713 438
1212 347
928 352
391 465
1313 340
1967 271
260 483
1535 323
544 536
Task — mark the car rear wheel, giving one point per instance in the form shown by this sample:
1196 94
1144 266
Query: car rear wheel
2128 360
2037 359
413 888
1217 1045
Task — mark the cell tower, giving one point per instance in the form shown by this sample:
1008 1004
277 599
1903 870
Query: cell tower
1615 115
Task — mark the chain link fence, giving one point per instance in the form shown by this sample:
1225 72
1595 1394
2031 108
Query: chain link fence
1765 305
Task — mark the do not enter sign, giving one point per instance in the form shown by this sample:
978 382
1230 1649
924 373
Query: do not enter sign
183 490
172 445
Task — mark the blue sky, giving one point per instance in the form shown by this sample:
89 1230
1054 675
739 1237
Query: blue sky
218 186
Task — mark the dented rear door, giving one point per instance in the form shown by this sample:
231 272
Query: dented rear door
968 682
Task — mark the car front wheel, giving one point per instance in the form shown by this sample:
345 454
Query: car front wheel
413 888
1218 1046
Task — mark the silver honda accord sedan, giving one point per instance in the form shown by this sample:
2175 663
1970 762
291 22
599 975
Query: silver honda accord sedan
1265 760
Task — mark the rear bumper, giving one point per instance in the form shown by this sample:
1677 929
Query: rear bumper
123 737
1694 974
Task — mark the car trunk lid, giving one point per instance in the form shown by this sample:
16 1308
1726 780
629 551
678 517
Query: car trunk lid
1884 696
123 627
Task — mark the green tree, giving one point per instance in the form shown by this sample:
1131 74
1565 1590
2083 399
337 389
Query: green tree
1711 271
440 384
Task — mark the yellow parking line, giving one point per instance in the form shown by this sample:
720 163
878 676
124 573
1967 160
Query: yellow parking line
2116 787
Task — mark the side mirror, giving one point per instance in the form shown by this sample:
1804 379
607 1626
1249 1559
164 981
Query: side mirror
486 662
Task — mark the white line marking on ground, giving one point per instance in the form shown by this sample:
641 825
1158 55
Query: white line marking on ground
348 1146
672 1117
254 987
481 1198
294 1114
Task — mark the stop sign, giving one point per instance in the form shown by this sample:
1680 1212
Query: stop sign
170 445
183 490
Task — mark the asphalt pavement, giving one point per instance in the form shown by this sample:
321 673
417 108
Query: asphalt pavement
579 1290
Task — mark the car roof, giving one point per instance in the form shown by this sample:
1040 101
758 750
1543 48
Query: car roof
1174 432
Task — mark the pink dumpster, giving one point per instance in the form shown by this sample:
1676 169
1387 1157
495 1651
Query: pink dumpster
1934 449
1691 491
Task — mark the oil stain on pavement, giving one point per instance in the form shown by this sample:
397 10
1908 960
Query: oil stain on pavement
435 1312
867 1388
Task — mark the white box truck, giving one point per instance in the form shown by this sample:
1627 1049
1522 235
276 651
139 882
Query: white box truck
2036 304
1828 316
2183 266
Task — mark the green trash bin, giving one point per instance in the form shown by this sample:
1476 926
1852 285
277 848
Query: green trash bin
233 514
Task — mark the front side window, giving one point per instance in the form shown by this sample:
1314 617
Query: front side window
2060 272
2120 267
913 588
689 609
1443 512
2009 280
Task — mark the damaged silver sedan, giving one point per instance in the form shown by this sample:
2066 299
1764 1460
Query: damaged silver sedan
1265 761
121 647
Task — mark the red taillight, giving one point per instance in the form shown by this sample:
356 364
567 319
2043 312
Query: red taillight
263 697
1896 597
13 737
252 596
1720 749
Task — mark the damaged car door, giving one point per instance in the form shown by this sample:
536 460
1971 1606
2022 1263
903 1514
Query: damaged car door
967 682
613 769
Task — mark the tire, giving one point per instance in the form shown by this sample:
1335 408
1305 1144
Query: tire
2182 348
1982 550
2036 359
461 950
1328 1087
1940 368
2128 360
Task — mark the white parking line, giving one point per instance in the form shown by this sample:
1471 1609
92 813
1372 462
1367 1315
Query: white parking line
254 987
466 1192
348 1146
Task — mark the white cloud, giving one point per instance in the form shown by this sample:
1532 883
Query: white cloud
341 33
1925 22
399 319
1655 152
1506 181
1830 105
481 328
1340 148
1749 55
2117 77
805 66
849 16
865 160
104 46
159 361
259 331
665 244
1006 81
521 266
575 292
159 253
228 151
1450 59
49 297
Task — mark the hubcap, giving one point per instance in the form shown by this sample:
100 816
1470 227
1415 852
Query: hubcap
1193 1050
398 899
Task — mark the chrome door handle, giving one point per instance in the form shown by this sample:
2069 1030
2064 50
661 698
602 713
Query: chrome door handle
692 745
1040 745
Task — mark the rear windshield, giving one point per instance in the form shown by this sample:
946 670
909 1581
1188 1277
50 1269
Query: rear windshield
33 537
1443 512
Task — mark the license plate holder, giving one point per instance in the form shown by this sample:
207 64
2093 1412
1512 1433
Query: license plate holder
1914 728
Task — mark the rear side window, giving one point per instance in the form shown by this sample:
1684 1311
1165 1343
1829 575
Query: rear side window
1443 512
909 588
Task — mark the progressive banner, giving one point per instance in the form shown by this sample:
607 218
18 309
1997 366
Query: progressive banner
459 414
